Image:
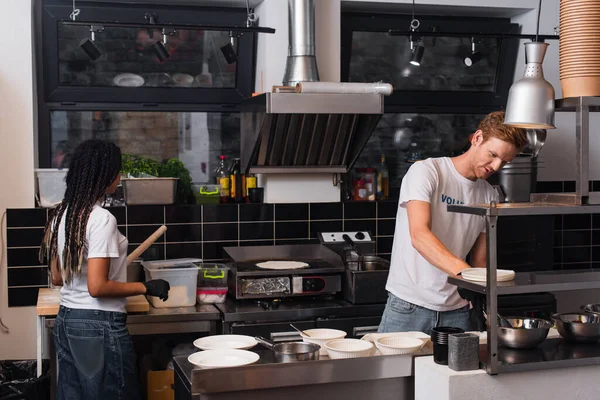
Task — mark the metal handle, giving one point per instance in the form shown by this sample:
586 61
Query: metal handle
267 343
289 336
361 331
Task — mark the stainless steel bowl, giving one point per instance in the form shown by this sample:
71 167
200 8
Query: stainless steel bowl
526 333
591 308
578 327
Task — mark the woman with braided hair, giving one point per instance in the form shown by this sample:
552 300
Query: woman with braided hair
88 255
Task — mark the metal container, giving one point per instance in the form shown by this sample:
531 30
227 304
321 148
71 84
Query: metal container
526 333
140 191
518 179
578 327
374 263
291 351
591 308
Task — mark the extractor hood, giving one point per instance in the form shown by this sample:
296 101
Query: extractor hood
289 132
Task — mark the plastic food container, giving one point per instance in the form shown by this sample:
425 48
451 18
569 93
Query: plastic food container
207 194
212 275
181 274
52 185
149 190
211 295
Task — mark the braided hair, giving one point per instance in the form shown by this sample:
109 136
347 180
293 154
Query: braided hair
94 167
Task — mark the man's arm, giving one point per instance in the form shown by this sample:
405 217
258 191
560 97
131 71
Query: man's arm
426 243
478 252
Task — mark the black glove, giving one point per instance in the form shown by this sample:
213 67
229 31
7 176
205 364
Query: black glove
158 288
476 318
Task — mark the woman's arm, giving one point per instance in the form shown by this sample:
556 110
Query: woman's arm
100 286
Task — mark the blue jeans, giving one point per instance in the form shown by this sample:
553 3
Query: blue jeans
96 359
402 316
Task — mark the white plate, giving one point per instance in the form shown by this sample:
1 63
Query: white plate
219 342
282 265
223 358
480 275
128 80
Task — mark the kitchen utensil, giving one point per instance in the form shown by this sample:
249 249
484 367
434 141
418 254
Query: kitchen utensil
353 255
147 243
502 322
299 331
439 337
578 327
463 351
526 333
219 342
348 348
480 275
223 358
291 351
591 308
128 80
398 345
321 336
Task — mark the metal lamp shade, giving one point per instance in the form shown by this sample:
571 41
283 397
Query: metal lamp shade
531 99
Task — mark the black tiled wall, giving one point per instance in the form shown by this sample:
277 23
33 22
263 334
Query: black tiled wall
198 231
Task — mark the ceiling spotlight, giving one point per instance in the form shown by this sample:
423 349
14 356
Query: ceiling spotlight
417 54
474 57
88 45
160 50
229 49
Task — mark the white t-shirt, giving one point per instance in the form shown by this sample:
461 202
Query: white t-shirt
437 182
103 240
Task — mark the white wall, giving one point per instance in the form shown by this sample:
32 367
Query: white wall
16 157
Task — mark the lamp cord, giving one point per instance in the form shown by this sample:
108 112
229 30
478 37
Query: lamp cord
537 29
75 12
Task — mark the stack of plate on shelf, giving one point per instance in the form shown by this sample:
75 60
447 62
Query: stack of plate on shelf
480 275
580 47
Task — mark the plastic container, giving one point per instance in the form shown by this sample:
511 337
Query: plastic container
211 295
207 194
181 274
212 275
52 185
149 190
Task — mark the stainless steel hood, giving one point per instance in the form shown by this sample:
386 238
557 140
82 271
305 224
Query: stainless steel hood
306 132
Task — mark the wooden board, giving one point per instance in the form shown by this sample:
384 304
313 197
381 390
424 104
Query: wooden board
49 301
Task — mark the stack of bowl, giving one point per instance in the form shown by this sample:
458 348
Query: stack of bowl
439 338
580 47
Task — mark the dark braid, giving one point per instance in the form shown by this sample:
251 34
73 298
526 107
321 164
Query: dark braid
94 166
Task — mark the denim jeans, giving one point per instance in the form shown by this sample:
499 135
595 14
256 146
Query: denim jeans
402 316
96 359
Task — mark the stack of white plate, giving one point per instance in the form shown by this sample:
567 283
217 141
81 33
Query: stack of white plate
480 275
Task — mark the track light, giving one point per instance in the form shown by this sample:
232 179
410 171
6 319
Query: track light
229 49
417 54
88 45
160 50
474 57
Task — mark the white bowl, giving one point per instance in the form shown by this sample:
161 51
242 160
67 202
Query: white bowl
223 358
398 345
322 336
348 348
219 342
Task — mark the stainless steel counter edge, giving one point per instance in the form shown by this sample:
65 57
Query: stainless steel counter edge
268 376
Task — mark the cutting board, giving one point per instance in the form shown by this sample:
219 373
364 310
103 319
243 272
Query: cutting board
49 301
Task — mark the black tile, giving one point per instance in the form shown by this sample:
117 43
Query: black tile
23 257
291 230
217 232
596 253
361 225
360 209
595 265
596 186
220 213
596 221
386 227
145 215
257 243
558 238
24 237
325 211
214 251
384 244
18 217
122 229
324 226
577 221
558 222
254 231
296 241
556 267
577 238
573 266
22 297
183 214
184 233
596 237
387 209
576 254
569 186
558 255
28 276
184 250
154 252
549 187
291 212
119 213
591 186
256 212
137 234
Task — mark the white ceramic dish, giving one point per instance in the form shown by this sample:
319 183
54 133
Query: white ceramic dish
398 345
322 336
223 358
348 348
128 80
183 80
480 275
220 342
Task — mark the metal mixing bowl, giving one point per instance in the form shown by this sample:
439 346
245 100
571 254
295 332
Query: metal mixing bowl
591 308
526 333
578 327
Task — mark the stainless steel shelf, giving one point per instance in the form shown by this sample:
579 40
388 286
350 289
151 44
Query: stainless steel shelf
552 353
535 282
570 103
516 209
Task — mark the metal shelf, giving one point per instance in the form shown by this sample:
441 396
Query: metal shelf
552 353
516 209
535 282
571 103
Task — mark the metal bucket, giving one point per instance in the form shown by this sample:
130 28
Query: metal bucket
518 179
